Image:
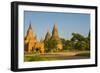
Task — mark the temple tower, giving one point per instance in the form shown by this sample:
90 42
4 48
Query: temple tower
55 36
47 37
30 39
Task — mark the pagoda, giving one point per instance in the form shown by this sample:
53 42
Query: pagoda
55 36
30 39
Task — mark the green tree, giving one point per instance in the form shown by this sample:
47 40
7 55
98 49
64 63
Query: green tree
77 37
68 45
80 42
51 45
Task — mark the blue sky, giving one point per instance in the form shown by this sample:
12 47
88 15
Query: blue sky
67 23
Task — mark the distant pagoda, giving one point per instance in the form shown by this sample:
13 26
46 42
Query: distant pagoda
55 36
47 37
31 42
30 39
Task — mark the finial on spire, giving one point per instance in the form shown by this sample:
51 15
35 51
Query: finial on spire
55 25
55 28
30 26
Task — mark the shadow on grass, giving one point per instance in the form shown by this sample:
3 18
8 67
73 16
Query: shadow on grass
83 54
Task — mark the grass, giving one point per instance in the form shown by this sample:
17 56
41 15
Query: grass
83 54
38 58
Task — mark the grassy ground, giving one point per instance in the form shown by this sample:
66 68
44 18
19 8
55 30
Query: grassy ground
83 54
38 58
57 56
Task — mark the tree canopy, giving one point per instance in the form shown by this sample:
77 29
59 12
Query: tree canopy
77 42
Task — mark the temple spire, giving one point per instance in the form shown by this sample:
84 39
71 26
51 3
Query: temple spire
55 34
48 36
30 26
55 27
